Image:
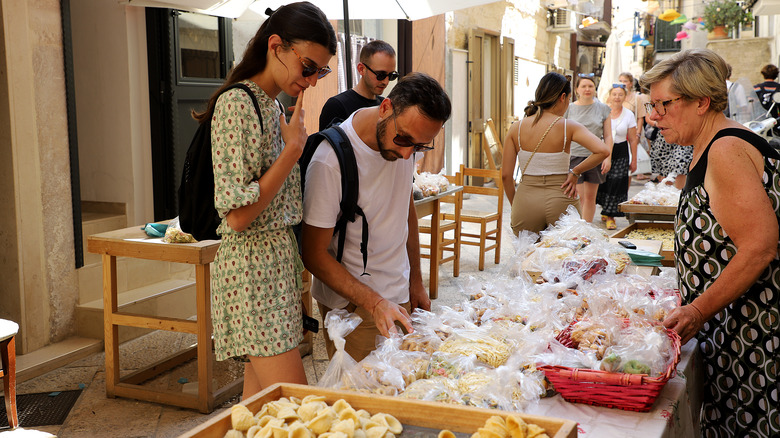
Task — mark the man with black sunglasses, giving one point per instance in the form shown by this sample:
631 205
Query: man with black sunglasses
377 69
388 287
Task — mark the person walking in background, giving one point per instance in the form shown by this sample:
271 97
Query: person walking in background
766 89
389 287
669 158
726 246
376 69
594 115
256 284
614 190
548 185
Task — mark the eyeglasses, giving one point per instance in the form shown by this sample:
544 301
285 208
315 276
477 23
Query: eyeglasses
623 86
309 69
403 141
381 75
650 106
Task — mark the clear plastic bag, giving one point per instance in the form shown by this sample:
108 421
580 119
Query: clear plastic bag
174 233
343 372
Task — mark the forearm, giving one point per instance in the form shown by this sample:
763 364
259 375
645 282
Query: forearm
413 245
270 182
509 187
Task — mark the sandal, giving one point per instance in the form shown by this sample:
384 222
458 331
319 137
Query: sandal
611 225
604 218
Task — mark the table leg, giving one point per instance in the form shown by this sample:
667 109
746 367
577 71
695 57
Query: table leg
435 242
205 350
110 330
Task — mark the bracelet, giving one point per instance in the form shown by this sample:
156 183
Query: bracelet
571 171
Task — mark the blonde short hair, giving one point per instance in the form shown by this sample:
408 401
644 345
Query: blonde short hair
695 73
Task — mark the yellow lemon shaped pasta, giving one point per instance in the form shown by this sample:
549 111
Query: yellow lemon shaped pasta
322 422
279 432
496 424
347 427
232 433
376 432
333 435
287 414
341 404
535 431
363 413
487 433
262 412
359 433
309 410
393 425
367 423
241 417
265 432
295 400
446 434
253 431
299 430
516 426
349 414
313 398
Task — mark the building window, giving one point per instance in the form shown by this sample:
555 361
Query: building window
665 32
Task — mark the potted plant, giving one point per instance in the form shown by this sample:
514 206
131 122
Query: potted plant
722 16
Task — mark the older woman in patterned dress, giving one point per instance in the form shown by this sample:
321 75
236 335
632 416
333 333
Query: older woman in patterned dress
726 244
256 287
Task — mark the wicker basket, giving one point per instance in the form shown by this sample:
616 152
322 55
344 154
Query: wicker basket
631 392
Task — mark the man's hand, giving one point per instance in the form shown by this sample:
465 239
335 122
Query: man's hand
385 315
418 297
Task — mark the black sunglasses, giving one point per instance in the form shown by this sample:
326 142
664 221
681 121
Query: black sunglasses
381 75
309 69
404 141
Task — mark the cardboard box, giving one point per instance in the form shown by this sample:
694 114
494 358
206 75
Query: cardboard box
419 414
668 254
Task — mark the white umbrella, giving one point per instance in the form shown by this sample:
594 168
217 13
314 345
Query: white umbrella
613 66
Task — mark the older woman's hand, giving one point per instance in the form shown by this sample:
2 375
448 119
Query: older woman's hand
686 321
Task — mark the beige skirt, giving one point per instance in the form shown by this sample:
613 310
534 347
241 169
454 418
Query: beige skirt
539 201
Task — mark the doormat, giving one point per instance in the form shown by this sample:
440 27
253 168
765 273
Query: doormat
42 409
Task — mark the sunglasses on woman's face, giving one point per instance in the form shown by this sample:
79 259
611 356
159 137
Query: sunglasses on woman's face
309 69
381 75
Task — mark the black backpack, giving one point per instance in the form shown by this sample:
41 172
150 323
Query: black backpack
197 214
337 138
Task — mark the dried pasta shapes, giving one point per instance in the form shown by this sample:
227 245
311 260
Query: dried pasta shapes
487 349
311 417
498 427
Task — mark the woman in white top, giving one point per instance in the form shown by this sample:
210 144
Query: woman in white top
542 144
614 190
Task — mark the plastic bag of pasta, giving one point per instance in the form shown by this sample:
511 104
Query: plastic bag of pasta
174 233
343 372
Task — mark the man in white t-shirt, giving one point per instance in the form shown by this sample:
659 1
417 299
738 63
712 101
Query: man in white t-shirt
384 139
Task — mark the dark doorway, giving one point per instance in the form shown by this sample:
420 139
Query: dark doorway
189 57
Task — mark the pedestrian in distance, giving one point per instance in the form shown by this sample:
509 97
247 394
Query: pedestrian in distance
376 69
541 142
385 140
256 284
594 115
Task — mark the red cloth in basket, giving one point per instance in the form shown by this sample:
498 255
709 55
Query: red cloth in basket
631 392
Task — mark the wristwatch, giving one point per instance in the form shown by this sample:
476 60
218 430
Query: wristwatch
571 171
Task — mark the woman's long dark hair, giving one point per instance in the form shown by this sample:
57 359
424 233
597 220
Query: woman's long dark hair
550 88
301 21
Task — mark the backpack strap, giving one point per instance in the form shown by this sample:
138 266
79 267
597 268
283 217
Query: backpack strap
350 188
254 100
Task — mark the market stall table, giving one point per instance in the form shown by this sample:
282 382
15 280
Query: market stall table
653 213
431 205
133 242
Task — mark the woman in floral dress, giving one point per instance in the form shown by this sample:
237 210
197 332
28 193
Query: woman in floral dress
256 286
726 244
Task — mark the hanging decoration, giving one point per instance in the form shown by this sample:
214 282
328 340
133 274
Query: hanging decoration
681 35
644 43
679 20
669 15
588 21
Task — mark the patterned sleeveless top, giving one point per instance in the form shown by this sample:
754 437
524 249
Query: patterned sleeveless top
740 345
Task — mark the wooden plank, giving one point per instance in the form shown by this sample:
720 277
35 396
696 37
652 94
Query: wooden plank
173 398
203 315
159 367
626 207
110 330
668 254
409 412
155 322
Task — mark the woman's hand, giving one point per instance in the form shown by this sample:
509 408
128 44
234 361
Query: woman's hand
632 166
570 186
686 321
294 134
606 165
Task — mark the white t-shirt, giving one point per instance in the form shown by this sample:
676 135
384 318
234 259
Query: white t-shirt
622 124
384 195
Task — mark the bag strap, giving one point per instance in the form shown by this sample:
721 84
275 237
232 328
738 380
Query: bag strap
252 96
540 143
350 188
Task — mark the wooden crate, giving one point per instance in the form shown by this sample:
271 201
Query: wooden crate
668 259
432 415
647 212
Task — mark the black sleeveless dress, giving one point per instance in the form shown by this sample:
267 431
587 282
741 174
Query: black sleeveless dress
741 344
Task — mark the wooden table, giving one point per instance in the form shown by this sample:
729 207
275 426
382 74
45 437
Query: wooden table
431 205
653 213
653 246
133 242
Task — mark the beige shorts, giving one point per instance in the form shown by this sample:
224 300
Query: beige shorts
539 201
362 341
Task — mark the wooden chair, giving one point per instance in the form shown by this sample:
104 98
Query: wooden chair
8 331
447 222
491 145
483 217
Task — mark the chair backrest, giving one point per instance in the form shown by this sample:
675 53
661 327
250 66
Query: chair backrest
457 197
491 144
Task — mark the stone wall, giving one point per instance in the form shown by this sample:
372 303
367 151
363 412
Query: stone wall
746 55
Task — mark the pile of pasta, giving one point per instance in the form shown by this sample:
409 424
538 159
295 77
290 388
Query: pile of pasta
665 235
498 427
663 193
311 417
429 184
570 247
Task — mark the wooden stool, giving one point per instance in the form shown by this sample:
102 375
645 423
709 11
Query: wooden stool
8 330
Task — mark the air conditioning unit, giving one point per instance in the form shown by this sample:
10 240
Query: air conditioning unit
561 21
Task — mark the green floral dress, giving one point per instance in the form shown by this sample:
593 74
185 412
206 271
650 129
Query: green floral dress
256 287
740 345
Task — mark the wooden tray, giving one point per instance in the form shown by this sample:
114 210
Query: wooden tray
432 415
626 207
668 254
